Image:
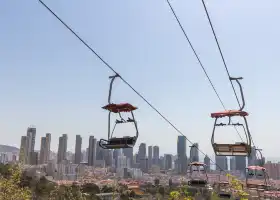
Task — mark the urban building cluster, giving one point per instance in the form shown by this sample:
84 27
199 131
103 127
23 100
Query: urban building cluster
124 163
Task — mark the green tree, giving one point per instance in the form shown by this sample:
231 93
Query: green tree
10 188
125 195
25 180
5 170
174 195
107 189
42 188
63 192
90 188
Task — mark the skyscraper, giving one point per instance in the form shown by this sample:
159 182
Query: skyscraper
156 155
34 158
194 156
59 152
128 152
23 150
240 163
31 136
221 163
150 156
87 154
43 150
62 148
232 163
161 162
108 158
182 154
207 162
115 157
48 144
167 161
91 151
100 152
78 150
142 157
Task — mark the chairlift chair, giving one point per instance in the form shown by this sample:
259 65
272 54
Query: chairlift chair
119 142
239 148
256 178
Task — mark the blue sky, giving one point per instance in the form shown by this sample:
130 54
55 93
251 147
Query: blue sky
49 79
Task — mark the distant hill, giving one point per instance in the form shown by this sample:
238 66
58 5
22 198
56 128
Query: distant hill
6 148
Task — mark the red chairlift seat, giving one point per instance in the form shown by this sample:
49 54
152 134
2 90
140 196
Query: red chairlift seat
229 113
117 108
256 168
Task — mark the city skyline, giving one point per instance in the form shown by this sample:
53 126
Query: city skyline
149 153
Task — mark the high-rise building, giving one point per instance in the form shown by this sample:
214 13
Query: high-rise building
136 158
59 152
150 156
31 136
108 158
43 150
156 155
122 162
62 148
221 163
207 162
34 158
23 150
128 152
167 161
240 163
232 163
78 150
161 162
142 157
116 153
65 138
91 151
182 154
87 155
100 152
194 156
48 144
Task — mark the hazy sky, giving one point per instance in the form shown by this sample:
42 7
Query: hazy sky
50 80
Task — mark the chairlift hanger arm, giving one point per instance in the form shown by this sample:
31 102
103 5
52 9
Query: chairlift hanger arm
111 86
241 90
